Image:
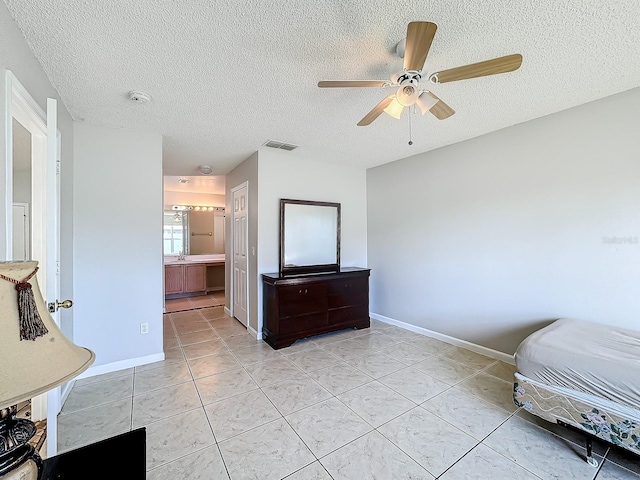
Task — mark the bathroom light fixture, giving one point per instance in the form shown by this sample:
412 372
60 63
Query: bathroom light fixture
205 169
197 208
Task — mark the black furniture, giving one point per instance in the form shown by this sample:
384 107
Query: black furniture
304 305
122 456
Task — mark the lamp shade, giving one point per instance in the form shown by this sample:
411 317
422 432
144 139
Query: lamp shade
31 367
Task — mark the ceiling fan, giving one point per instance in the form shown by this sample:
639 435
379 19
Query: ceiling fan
409 92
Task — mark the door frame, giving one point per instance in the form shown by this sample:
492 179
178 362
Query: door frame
234 190
44 237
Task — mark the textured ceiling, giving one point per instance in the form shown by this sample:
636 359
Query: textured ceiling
227 76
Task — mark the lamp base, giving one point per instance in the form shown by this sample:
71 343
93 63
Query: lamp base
18 459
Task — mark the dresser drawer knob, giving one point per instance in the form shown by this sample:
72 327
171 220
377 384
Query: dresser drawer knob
303 291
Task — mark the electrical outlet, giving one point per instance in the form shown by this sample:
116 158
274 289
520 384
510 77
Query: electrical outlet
144 328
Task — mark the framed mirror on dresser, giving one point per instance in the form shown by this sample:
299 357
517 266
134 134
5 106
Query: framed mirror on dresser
312 294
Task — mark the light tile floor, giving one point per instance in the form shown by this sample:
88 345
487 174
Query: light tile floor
378 403
211 299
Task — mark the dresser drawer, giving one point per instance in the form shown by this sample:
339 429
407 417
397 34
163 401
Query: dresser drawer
348 286
348 314
302 307
303 323
337 301
303 292
352 291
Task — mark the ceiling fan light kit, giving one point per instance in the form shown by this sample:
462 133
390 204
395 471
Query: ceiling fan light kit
394 108
414 49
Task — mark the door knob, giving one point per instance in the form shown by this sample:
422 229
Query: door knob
54 306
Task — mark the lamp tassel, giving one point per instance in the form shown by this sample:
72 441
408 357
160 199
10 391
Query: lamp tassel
31 325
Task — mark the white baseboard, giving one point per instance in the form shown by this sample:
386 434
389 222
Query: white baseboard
254 332
489 352
122 365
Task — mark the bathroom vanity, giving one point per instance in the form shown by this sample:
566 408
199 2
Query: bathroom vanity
193 275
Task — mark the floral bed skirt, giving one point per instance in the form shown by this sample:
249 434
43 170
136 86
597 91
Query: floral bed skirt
594 417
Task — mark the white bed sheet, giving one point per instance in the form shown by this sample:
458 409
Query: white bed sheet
587 357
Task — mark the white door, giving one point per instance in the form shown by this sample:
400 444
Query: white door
44 236
240 252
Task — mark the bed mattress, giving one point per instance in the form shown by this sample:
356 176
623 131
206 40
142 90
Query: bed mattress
587 357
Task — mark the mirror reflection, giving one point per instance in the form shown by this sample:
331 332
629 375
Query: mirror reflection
310 236
194 232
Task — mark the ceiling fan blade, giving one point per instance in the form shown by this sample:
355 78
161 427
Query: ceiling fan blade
351 83
505 64
441 110
376 112
419 38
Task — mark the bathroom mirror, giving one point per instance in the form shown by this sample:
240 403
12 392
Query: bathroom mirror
309 237
194 232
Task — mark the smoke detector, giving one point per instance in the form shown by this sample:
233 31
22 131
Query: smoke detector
139 97
205 169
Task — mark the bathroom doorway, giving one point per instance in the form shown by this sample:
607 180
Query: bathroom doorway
194 242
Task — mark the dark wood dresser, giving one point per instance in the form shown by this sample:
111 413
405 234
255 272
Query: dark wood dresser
304 305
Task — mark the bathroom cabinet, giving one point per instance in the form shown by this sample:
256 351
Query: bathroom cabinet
304 305
185 278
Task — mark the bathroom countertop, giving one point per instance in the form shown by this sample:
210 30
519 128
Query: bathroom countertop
191 259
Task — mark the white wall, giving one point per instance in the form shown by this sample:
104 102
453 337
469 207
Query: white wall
15 55
489 239
284 174
118 262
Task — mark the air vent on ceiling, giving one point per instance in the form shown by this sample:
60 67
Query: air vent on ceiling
280 145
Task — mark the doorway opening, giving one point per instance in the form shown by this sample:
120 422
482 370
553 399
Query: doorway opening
194 242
